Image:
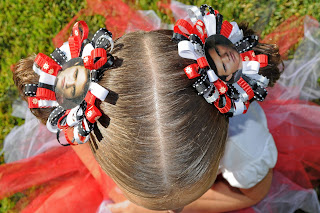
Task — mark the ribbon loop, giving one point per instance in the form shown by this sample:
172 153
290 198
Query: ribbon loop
78 122
103 39
230 99
192 71
93 114
58 56
30 89
47 64
226 29
183 27
208 20
223 104
81 30
99 57
200 30
194 14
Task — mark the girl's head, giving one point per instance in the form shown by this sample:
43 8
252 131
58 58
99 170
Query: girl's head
164 142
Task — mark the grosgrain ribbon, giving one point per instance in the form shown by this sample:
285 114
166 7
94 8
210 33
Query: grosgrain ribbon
200 30
192 71
76 123
191 38
226 29
35 102
80 120
186 27
47 64
77 38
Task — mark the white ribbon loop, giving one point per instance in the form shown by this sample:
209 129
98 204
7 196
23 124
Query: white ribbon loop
87 50
66 50
261 80
195 14
44 77
236 34
186 50
98 91
212 76
209 21
53 129
250 67
72 116
211 99
239 108
243 95
109 39
47 103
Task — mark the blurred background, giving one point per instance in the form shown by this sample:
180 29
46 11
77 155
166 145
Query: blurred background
33 26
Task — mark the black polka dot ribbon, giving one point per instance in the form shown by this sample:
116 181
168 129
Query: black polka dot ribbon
76 123
230 98
30 89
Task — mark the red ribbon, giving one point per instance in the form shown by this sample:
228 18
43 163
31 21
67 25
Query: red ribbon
263 60
249 56
67 130
183 24
76 30
92 112
202 62
246 87
45 94
96 53
68 134
226 108
60 119
90 98
220 86
226 29
47 64
78 36
192 71
33 102
200 30
75 46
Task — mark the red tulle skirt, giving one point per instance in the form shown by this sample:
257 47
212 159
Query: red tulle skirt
59 181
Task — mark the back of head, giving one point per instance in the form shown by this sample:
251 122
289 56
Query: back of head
164 142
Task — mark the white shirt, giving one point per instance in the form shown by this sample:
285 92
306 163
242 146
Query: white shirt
250 150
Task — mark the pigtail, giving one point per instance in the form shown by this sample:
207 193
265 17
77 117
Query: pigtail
272 70
23 74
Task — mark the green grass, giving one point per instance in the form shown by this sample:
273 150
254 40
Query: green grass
27 26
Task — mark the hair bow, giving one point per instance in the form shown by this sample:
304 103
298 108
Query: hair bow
79 121
229 98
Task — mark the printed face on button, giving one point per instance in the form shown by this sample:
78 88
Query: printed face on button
223 58
72 83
